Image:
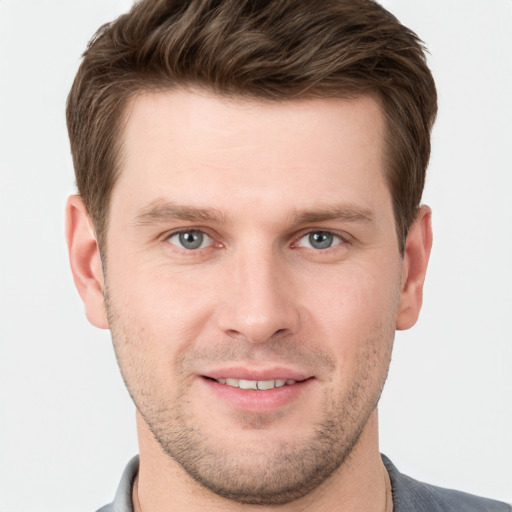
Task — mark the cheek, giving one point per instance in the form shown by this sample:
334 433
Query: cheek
155 291
156 314
152 324
355 308
350 295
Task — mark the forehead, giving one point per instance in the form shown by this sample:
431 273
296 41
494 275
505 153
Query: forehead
211 151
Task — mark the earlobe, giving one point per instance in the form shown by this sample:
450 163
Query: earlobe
84 257
415 262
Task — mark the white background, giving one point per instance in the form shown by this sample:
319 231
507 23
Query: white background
66 422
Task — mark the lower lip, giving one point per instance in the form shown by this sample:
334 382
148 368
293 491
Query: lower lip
250 400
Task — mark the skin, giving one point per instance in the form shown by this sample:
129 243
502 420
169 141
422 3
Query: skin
258 299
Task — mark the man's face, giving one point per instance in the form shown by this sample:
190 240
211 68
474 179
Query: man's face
253 245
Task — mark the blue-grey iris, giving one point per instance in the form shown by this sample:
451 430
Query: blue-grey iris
191 239
321 239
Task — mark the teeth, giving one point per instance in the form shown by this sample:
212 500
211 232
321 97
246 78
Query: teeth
266 384
247 384
257 384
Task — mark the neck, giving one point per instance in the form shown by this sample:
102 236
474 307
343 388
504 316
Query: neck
360 484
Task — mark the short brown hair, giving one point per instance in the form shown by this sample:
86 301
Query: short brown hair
265 49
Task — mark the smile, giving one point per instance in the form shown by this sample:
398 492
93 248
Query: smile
258 385
258 392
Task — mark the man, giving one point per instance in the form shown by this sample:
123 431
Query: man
249 228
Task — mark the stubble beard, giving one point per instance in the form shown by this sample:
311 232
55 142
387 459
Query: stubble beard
251 474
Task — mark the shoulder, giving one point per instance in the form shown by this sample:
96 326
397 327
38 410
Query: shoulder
106 508
123 499
409 494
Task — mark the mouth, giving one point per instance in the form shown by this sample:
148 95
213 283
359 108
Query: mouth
257 385
257 390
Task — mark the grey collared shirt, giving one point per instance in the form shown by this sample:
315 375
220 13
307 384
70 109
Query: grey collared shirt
409 495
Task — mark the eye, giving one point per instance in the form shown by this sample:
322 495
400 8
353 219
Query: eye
320 240
190 240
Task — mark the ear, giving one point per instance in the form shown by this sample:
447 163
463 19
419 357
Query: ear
84 257
415 261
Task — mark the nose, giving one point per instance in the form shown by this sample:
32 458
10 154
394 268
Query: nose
259 300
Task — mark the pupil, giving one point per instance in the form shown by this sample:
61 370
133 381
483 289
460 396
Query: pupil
320 240
191 239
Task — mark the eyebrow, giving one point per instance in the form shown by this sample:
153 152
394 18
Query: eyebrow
344 213
162 210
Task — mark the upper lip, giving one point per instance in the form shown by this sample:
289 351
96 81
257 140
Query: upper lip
247 373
